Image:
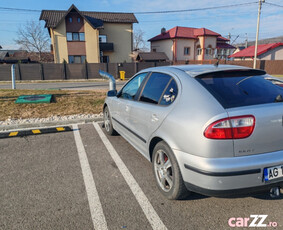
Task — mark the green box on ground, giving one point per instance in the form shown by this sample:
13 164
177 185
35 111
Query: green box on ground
34 99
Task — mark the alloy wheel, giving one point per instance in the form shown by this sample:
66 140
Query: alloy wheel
107 122
163 170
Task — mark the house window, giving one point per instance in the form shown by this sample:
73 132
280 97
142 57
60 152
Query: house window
153 50
69 37
104 59
216 51
198 50
102 38
75 36
186 50
79 20
82 36
77 59
70 20
71 59
83 59
208 50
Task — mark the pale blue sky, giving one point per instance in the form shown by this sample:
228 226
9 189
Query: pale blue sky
239 20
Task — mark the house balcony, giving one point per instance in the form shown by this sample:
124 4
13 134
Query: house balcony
106 46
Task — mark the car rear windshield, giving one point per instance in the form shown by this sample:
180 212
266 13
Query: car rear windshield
235 90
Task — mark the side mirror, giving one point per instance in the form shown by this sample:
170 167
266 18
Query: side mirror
112 93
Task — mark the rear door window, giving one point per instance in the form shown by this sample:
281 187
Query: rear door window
155 87
170 93
235 91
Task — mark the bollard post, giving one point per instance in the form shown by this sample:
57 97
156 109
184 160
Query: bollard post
13 77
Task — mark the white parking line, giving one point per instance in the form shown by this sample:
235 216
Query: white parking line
96 210
151 215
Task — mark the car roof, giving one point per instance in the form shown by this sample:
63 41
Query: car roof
195 70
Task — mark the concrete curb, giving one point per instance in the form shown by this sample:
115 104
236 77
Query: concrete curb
49 124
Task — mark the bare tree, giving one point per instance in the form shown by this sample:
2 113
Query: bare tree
139 42
33 38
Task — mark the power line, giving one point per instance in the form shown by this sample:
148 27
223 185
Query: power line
12 31
195 18
18 9
158 12
151 12
273 4
196 9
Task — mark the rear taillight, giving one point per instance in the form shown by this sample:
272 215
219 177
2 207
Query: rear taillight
231 128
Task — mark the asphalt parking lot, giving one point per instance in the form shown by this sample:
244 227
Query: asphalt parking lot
82 179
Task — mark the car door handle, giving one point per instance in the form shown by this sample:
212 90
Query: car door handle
127 108
154 118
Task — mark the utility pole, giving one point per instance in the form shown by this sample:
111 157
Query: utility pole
246 41
257 30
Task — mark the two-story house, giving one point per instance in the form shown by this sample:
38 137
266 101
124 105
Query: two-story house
79 36
186 43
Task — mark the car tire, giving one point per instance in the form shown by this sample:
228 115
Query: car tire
167 173
107 122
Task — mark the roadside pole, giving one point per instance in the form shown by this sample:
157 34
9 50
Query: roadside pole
13 76
257 30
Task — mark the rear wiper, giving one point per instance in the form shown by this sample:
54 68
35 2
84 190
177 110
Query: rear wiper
279 98
239 82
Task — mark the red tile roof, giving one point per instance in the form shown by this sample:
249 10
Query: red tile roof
205 32
224 46
222 39
250 51
184 32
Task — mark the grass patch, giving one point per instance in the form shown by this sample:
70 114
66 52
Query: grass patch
68 102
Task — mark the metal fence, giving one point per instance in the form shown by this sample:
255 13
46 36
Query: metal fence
90 70
274 67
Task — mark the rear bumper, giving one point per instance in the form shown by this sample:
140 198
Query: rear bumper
224 176
233 192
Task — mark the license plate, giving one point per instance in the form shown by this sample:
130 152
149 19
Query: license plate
273 173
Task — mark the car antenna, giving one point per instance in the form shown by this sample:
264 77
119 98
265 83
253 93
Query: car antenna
217 62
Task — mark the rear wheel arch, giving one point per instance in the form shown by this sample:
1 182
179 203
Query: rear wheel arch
167 172
154 141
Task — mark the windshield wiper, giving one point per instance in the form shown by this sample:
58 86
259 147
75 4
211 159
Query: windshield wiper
279 98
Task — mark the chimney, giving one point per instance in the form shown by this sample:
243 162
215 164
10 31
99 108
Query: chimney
163 31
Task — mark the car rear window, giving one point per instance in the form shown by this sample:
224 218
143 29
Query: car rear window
235 91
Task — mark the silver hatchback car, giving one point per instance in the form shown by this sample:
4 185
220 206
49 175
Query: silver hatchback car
214 130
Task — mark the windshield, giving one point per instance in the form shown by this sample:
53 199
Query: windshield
235 91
